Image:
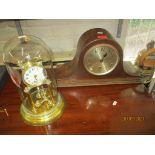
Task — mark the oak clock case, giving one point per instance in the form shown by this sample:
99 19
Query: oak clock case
98 61
29 63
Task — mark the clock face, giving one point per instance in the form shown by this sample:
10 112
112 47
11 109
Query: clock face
101 59
35 75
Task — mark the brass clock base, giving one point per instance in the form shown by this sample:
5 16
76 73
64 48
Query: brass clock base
46 117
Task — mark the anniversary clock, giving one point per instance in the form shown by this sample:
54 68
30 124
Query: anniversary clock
25 58
98 61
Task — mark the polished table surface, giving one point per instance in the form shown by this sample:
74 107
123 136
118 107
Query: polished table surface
114 109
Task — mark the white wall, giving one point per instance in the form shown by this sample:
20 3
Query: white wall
61 35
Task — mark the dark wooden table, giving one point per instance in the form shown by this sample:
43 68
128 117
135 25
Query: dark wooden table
114 109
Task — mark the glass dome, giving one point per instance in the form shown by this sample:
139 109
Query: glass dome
29 63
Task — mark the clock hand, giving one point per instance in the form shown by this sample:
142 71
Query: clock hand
35 76
98 52
104 55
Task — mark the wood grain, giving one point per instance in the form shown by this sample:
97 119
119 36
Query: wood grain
113 109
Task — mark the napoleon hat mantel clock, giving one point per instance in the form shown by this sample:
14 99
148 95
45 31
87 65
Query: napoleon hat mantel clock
98 61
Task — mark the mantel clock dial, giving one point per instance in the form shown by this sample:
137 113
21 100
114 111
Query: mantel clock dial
101 59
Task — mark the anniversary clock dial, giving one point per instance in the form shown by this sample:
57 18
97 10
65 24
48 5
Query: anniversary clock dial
35 75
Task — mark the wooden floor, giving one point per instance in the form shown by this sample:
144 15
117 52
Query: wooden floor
114 109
